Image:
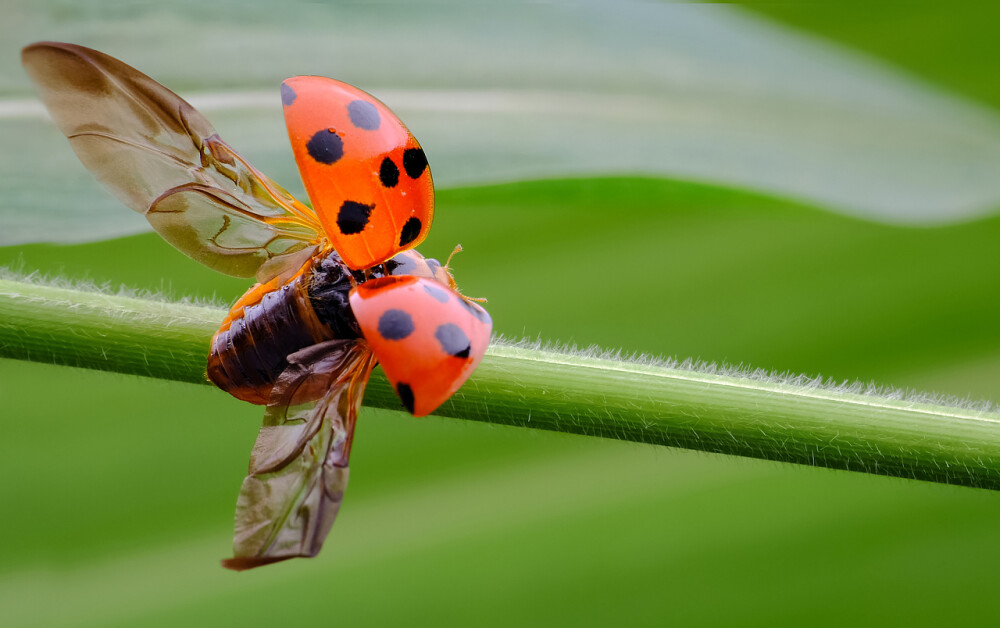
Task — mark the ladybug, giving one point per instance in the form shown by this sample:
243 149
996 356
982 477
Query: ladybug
340 287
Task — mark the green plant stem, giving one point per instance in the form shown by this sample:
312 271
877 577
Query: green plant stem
566 392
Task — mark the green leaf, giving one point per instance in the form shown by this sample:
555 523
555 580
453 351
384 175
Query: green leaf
118 491
707 93
147 472
951 46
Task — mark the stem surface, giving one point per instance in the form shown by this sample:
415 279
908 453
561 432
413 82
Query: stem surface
737 414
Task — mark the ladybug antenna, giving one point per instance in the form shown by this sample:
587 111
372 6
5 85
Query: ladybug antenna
458 247
454 286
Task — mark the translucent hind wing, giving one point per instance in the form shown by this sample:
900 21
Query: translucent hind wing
298 468
147 145
217 229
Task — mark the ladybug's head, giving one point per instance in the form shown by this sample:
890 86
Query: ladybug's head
413 263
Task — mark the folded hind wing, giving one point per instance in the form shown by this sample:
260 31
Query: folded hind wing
298 468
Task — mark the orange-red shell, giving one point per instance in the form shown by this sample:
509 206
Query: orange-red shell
365 173
427 337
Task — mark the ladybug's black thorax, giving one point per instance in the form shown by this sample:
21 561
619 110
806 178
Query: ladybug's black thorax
251 350
329 286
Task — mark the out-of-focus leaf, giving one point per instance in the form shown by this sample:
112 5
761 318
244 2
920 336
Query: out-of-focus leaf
953 45
502 91
487 525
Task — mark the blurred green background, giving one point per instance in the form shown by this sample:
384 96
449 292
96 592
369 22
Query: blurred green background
808 188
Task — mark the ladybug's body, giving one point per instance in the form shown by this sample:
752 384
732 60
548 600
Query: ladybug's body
274 320
271 321
339 286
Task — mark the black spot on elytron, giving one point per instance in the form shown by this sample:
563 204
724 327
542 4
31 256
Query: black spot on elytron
481 315
364 115
438 293
326 147
453 340
410 231
288 95
353 217
414 162
395 325
388 174
406 396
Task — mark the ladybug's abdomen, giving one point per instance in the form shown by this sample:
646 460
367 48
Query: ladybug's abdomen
273 321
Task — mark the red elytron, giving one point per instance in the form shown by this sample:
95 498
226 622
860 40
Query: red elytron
339 288
365 173
401 316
